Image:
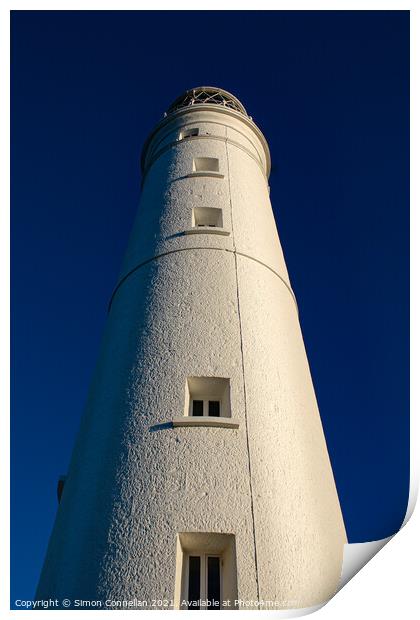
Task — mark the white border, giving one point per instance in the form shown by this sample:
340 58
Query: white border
386 587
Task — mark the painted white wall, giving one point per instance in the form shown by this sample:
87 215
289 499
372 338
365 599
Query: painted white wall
197 305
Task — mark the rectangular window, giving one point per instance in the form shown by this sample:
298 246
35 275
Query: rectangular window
204 580
207 397
214 408
188 133
198 407
207 216
213 581
205 571
205 164
194 582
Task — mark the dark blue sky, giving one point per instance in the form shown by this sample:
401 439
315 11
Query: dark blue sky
330 90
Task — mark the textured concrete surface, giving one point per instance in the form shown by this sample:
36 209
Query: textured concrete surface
293 486
198 305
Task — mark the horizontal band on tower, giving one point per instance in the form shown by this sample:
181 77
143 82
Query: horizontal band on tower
149 260
168 146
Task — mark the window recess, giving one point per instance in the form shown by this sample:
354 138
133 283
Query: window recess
206 574
207 220
205 164
207 396
206 167
207 403
203 217
188 133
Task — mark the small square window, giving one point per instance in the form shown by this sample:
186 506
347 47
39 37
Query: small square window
207 216
207 397
205 164
188 133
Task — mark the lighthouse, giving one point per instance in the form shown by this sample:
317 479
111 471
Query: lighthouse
200 476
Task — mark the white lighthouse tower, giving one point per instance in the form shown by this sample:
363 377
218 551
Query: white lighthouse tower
200 476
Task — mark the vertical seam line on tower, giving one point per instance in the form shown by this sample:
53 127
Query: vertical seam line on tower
243 371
